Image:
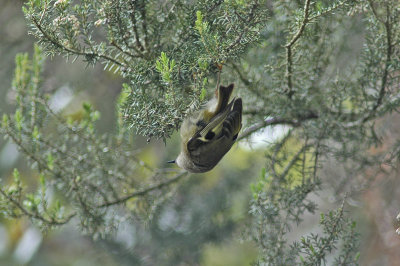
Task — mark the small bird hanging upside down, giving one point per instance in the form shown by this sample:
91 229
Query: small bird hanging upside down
208 134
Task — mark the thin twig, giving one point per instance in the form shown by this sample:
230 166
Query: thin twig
268 122
276 121
332 229
329 10
277 149
303 166
44 11
144 25
302 26
124 33
295 158
36 216
113 43
73 51
247 27
134 25
289 46
250 85
389 52
143 191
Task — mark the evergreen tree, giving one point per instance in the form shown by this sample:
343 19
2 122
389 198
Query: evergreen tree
327 70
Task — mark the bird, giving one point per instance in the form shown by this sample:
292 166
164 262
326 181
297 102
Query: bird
209 133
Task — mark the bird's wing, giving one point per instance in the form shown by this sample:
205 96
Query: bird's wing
215 124
207 153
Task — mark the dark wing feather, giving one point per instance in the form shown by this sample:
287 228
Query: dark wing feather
208 153
224 93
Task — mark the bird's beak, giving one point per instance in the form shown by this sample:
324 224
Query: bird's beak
173 161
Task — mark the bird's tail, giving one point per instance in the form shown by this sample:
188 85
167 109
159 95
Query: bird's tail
223 95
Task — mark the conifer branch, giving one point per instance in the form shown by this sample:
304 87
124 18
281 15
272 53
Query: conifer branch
276 121
389 51
290 44
36 216
74 51
143 191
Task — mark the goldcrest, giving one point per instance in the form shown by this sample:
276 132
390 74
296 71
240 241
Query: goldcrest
208 134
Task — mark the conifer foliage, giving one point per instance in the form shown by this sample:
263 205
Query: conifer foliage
327 70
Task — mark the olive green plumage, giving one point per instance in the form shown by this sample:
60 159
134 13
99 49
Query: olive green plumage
208 134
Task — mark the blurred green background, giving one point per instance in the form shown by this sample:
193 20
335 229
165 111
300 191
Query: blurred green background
204 223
